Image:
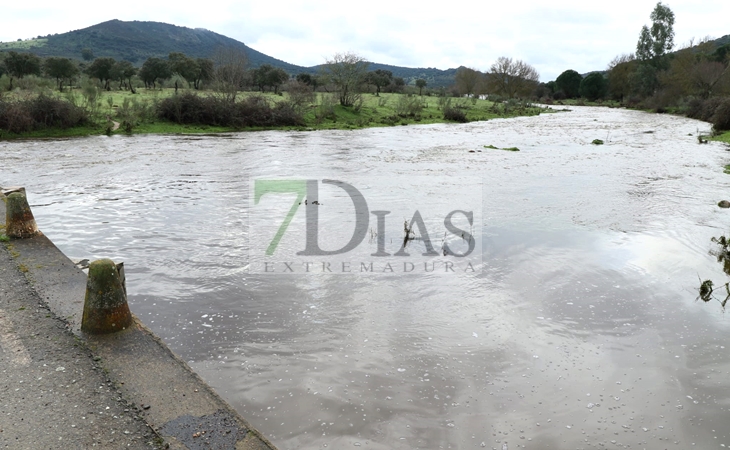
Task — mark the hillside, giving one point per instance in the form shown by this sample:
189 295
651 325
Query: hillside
136 41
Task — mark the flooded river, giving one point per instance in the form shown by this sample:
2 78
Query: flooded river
578 329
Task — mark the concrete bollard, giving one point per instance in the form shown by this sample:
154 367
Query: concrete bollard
19 220
105 305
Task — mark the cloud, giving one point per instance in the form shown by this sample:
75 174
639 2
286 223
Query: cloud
564 34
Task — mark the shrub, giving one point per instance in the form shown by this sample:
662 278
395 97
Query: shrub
408 106
254 111
40 112
455 114
721 118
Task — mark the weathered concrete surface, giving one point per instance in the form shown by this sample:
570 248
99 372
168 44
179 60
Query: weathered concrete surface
170 397
53 395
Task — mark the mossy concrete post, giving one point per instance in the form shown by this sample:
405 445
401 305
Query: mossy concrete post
19 220
105 305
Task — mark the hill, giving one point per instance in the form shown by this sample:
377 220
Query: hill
136 41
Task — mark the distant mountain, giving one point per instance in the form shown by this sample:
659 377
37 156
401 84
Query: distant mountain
136 41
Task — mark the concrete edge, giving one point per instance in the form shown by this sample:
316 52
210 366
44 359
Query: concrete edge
134 359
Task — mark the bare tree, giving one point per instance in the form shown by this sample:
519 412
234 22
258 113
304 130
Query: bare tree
229 71
347 72
467 80
512 78
620 71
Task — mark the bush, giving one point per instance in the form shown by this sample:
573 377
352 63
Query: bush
40 112
408 106
455 114
703 109
254 111
721 118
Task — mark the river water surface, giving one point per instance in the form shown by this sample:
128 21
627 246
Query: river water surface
579 329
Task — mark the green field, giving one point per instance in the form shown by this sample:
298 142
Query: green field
324 112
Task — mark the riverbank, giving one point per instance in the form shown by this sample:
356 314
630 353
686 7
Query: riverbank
62 389
137 113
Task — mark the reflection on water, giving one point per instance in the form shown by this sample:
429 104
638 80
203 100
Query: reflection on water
580 331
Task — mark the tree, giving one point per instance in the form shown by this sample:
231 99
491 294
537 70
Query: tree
620 72
183 65
420 84
657 41
379 78
61 69
101 68
154 69
512 78
569 82
347 72
593 86
230 71
466 80
124 71
19 65
205 71
304 78
87 54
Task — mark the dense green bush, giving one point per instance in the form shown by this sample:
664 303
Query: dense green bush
41 112
455 114
255 111
593 87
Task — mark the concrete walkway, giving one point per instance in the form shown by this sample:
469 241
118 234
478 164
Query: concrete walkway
61 389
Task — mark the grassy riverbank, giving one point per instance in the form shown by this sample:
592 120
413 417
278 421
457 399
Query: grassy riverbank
137 113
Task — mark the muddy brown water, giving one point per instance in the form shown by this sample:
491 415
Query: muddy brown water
579 330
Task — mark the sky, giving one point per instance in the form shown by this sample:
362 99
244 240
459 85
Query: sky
551 36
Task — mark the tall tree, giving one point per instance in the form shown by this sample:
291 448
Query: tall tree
183 65
230 71
569 83
154 69
347 72
124 71
101 68
61 69
205 71
512 78
420 84
593 86
620 71
379 78
87 54
466 80
657 41
19 65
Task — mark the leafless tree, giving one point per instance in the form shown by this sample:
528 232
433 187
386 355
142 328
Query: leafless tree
229 71
467 80
512 78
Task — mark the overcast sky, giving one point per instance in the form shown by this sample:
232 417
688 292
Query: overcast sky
552 36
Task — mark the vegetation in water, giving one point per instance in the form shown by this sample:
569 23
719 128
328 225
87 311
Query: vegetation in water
708 290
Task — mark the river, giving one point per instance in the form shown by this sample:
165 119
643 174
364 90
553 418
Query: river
579 327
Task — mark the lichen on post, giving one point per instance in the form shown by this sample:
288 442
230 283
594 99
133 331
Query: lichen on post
105 306
19 220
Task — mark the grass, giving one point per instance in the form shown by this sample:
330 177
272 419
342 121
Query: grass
23 45
724 137
375 111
